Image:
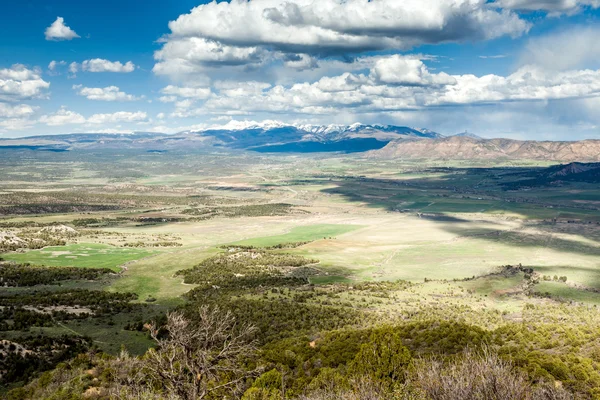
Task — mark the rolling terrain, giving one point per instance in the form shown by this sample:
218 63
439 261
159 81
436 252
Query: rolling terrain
318 252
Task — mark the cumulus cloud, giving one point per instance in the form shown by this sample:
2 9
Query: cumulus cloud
184 98
553 7
526 84
16 111
398 70
301 62
53 64
240 89
62 117
59 31
102 65
297 31
393 84
73 68
191 55
15 124
167 99
110 93
68 117
16 117
19 83
186 92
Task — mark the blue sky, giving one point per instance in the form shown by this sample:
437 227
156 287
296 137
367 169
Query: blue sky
524 69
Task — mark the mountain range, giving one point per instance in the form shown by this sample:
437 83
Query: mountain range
467 148
380 141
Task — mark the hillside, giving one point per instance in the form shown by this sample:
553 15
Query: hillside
457 147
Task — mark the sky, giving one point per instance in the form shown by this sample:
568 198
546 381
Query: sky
521 69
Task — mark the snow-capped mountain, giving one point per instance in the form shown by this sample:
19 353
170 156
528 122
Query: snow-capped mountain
279 136
322 130
387 141
264 136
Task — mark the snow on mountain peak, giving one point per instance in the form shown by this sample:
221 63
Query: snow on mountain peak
328 130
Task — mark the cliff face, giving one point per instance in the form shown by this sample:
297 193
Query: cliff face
469 148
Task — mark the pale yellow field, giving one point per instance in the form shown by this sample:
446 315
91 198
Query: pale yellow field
387 246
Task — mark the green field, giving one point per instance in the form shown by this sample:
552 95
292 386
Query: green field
300 234
155 277
561 291
84 255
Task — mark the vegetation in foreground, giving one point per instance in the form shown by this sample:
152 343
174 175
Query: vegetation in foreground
290 272
212 356
259 332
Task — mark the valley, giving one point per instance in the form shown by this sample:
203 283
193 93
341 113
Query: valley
348 238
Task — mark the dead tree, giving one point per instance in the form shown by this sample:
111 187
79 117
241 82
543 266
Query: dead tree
196 358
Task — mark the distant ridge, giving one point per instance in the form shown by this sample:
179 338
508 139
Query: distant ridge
266 136
380 141
466 148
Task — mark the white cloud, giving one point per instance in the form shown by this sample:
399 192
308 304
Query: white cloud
577 47
398 70
73 68
184 104
176 129
15 124
68 117
496 56
16 111
526 84
393 84
186 92
167 99
110 93
19 72
62 117
297 31
120 116
15 117
184 98
112 131
301 62
240 89
191 55
102 65
59 31
19 82
553 7
53 64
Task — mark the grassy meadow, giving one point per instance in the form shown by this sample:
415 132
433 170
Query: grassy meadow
84 255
